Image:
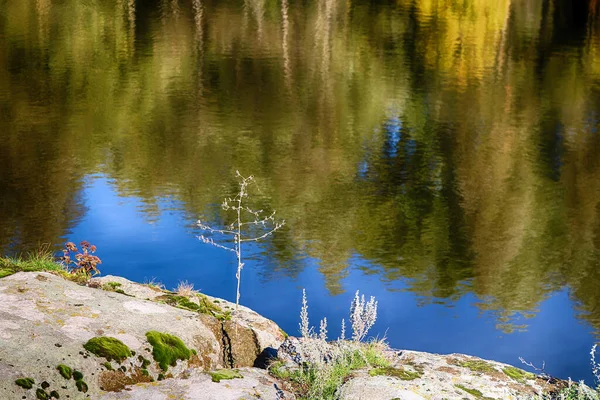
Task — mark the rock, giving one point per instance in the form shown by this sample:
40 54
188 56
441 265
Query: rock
378 387
417 375
253 384
244 337
45 321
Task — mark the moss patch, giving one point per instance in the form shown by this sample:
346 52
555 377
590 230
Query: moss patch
54 394
145 362
221 374
111 285
64 371
518 374
41 394
204 305
167 349
25 383
108 347
77 375
396 373
476 365
474 392
81 386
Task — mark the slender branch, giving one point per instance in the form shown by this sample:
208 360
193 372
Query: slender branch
542 371
234 229
213 230
213 243
277 227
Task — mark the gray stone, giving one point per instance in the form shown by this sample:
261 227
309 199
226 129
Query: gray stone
45 320
255 384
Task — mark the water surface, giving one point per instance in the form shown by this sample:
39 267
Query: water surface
440 155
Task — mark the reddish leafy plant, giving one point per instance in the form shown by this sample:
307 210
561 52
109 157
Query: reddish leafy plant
81 262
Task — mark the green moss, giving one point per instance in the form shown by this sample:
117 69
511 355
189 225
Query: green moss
37 261
54 394
111 285
65 371
145 362
221 374
477 366
204 306
108 347
120 291
81 386
160 377
285 335
41 394
145 372
108 366
396 373
77 375
25 383
167 349
518 374
474 392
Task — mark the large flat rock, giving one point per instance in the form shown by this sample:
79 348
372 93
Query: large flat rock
45 320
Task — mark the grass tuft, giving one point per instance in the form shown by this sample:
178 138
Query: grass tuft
36 261
185 289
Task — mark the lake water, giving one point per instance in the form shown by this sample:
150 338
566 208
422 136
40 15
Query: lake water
442 156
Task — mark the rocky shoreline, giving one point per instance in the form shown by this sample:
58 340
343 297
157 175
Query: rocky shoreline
116 339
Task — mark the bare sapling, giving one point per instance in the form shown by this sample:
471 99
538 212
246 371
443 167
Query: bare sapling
249 226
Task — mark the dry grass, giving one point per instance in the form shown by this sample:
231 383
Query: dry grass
153 284
186 289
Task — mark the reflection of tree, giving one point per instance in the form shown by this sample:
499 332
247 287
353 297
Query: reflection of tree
483 174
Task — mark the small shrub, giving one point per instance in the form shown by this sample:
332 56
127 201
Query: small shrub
324 366
82 262
248 226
